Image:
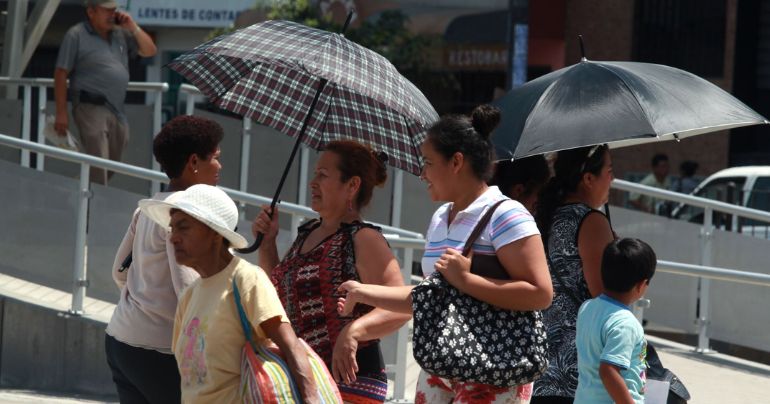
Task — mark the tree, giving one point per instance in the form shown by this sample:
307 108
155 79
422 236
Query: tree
413 55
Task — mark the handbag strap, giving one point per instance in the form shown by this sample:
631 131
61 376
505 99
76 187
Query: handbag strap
480 227
130 257
242 315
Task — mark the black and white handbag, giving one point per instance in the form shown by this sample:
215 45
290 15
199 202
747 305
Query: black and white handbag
461 338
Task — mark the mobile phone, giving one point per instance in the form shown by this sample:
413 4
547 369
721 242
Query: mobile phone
118 18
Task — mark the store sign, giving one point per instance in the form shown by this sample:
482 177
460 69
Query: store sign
470 57
186 13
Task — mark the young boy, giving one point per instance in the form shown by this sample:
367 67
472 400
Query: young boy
610 341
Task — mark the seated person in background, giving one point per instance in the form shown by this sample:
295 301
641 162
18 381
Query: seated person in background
686 183
658 178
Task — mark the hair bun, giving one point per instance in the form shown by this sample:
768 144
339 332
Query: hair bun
484 119
381 171
381 156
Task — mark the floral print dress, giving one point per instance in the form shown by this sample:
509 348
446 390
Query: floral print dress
437 390
570 290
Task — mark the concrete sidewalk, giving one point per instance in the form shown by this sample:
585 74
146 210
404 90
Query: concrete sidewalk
715 378
711 378
28 397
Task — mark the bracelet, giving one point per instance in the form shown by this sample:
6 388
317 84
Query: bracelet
136 30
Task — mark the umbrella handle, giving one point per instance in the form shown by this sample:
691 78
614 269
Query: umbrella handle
347 22
261 236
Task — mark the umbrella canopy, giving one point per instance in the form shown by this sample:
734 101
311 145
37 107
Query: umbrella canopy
622 103
315 86
271 72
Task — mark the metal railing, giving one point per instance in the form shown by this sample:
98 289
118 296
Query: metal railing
704 272
42 84
404 240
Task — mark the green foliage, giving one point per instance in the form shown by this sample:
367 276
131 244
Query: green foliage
412 54
300 11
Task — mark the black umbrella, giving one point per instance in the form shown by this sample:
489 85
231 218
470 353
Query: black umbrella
315 86
620 103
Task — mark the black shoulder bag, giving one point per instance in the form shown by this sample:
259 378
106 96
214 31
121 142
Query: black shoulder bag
459 337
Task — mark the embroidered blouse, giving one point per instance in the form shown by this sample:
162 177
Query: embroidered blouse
307 286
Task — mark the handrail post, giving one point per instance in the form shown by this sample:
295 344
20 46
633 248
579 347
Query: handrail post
304 162
26 120
398 191
704 284
156 123
80 282
243 182
41 101
402 336
189 100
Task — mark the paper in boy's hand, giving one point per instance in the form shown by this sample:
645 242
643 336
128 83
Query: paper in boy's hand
68 142
656 391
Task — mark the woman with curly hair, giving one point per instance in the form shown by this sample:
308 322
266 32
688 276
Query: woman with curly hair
138 340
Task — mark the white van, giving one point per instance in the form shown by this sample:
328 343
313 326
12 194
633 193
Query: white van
746 186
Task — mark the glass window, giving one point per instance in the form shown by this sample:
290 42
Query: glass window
688 34
760 194
729 189
758 199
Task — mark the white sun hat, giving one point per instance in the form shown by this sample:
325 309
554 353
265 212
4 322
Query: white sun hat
208 204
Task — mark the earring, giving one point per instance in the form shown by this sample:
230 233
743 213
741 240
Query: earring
350 205
195 171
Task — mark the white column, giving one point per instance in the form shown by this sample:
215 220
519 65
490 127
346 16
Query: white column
41 101
156 125
80 282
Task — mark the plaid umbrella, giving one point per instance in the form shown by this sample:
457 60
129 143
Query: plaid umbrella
315 86
272 71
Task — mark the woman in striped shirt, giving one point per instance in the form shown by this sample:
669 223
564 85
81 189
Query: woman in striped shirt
458 162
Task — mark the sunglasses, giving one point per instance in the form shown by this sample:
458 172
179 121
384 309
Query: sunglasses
591 152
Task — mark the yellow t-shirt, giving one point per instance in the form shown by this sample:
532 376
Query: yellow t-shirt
208 337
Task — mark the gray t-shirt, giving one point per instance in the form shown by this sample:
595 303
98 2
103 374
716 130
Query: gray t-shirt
97 65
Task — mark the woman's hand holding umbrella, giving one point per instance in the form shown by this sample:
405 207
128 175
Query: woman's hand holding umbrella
266 223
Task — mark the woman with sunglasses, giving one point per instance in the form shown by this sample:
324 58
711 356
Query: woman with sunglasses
575 233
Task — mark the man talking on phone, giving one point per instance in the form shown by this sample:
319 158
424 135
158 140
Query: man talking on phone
94 56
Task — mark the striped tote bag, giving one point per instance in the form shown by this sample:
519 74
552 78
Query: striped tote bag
265 375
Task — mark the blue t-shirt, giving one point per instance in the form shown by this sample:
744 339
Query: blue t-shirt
608 332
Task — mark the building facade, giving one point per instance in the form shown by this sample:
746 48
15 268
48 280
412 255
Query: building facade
719 40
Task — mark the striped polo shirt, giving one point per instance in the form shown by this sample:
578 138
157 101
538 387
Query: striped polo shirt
510 222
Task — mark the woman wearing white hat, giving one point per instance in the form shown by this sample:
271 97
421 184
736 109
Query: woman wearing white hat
208 337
